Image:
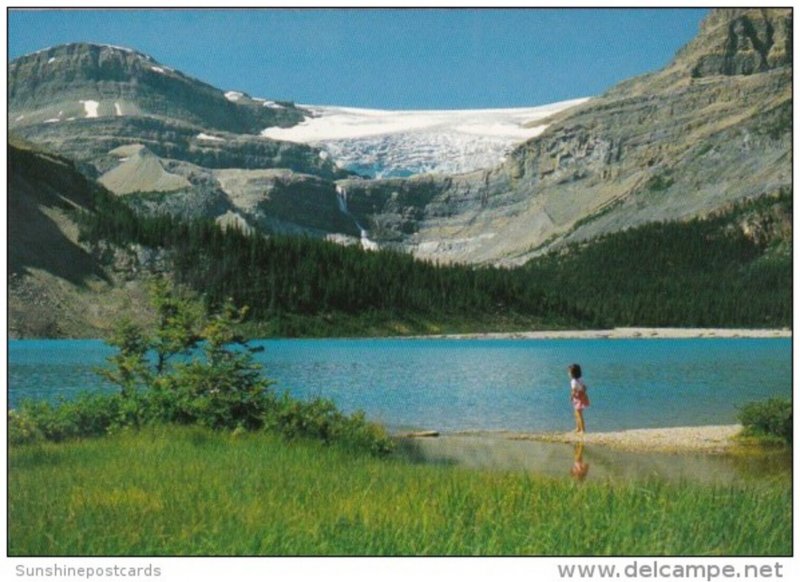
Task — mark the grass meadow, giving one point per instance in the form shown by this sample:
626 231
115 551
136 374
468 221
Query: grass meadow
168 491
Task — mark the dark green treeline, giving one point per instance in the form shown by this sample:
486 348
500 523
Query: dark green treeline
700 273
697 273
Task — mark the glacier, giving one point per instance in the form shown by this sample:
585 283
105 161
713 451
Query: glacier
380 143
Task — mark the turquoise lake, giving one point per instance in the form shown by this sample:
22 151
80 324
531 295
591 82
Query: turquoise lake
455 385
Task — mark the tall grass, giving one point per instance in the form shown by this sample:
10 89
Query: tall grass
192 491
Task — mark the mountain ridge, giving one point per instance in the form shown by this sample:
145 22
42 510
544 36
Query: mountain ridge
709 129
119 81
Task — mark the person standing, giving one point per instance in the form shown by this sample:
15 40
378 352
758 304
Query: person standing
578 396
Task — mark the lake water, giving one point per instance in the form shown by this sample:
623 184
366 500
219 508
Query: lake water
596 463
462 385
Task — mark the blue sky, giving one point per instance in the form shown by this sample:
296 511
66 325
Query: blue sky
391 59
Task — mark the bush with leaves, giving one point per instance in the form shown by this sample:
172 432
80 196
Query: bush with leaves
23 427
320 419
770 418
222 389
129 368
86 415
193 368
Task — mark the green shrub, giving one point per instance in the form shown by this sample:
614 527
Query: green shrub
87 414
360 434
220 387
319 419
23 428
206 395
770 418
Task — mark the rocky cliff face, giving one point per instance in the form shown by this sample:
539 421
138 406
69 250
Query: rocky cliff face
89 81
741 42
711 128
143 128
89 141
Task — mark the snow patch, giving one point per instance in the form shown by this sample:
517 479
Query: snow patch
158 70
20 118
90 107
384 143
117 109
334 123
233 96
208 137
51 60
123 49
273 105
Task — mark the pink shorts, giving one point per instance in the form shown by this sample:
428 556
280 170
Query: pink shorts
579 404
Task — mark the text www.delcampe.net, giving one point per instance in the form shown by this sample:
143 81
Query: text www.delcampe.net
655 569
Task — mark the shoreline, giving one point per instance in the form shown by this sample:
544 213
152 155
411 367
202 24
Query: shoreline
625 333
710 439
683 439
614 333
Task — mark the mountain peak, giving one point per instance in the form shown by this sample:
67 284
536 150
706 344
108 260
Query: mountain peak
91 52
730 42
740 41
73 82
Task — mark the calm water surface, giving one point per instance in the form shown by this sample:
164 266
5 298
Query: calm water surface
597 463
454 385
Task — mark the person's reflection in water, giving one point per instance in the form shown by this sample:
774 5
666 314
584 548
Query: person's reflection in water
580 468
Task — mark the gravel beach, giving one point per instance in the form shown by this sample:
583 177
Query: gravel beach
685 439
629 333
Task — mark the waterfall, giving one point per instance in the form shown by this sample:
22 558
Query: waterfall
341 198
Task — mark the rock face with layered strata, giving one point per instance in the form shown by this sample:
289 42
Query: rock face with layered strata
707 130
84 80
159 137
742 42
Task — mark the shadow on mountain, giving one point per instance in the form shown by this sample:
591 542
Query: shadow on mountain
41 234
